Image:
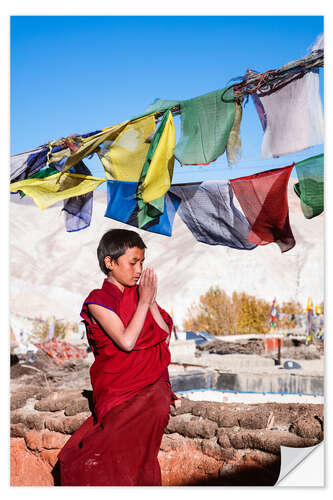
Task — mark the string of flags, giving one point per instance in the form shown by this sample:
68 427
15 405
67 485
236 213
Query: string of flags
138 159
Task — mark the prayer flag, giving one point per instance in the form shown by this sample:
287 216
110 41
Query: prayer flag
206 125
208 211
291 117
310 188
158 106
49 190
78 212
87 145
123 156
264 201
28 163
123 206
157 172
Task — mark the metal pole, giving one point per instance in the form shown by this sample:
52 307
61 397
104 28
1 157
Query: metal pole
279 351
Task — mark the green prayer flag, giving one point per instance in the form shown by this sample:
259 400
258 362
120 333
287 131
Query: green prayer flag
310 186
158 106
206 125
150 211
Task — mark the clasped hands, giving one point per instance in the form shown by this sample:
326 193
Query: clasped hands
148 286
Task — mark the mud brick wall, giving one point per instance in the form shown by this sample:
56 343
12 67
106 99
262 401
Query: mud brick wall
204 442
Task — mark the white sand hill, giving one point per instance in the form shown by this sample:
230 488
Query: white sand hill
52 271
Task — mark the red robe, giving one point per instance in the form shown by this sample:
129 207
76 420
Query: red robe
132 397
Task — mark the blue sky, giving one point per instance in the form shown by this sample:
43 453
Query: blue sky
76 74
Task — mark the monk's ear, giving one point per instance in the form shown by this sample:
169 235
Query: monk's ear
109 263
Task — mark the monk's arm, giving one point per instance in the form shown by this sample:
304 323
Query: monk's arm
126 338
158 318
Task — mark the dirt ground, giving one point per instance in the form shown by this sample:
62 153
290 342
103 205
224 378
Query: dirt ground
74 374
44 371
292 348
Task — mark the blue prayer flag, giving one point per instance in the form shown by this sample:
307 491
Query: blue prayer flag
123 207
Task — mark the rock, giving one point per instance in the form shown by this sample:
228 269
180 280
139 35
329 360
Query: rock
190 426
308 427
39 440
201 427
187 465
185 406
50 457
17 430
246 470
35 420
26 469
211 448
228 418
199 410
16 417
287 413
254 418
57 400
223 439
228 470
66 425
53 440
34 440
77 406
55 424
262 458
17 401
227 454
21 394
178 423
213 411
246 346
239 439
171 441
267 440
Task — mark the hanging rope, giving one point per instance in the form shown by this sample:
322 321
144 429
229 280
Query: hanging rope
273 80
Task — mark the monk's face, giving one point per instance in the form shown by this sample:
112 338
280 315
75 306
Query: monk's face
128 269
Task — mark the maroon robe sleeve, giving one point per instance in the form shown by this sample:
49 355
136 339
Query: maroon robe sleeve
98 297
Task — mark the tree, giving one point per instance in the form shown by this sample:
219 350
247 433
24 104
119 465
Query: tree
290 308
219 314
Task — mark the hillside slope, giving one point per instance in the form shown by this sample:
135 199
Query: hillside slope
52 271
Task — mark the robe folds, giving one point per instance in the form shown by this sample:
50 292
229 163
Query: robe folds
119 444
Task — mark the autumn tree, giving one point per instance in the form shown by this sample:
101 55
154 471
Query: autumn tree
213 313
289 309
219 314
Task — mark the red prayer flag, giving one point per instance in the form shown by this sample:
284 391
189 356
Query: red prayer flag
264 201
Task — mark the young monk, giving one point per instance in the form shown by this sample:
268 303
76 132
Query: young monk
129 334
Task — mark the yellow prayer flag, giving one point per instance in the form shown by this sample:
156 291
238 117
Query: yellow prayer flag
158 179
309 304
88 145
49 190
124 156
